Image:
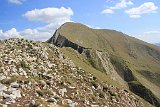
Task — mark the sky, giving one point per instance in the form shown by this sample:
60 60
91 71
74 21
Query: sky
38 19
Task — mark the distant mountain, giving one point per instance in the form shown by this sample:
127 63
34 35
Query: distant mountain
158 44
113 57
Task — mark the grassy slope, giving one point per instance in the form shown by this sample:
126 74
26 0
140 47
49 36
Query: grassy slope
116 43
80 61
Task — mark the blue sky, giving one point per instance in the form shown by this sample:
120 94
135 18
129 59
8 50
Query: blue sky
38 19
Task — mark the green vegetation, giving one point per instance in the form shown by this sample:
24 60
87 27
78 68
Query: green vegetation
15 47
0 64
151 76
44 92
82 62
24 65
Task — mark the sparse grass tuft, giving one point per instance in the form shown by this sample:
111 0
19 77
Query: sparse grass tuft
44 92
8 81
24 65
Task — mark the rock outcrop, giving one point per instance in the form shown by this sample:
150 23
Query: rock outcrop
61 41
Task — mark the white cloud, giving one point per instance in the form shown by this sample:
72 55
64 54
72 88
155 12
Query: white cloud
32 34
135 16
110 11
109 1
54 17
16 1
148 7
150 36
120 5
50 15
12 33
93 27
155 33
51 27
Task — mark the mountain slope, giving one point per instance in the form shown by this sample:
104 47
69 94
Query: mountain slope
134 61
36 74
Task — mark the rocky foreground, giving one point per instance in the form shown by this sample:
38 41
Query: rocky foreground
35 74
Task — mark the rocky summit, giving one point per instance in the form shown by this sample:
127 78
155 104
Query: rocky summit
37 74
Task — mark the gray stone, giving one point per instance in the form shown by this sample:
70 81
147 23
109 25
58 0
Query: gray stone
2 87
62 91
14 85
9 98
23 73
33 104
2 77
17 93
73 104
42 83
52 99
4 105
14 69
94 105
71 87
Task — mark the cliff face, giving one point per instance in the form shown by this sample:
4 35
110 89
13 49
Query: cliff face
115 54
61 41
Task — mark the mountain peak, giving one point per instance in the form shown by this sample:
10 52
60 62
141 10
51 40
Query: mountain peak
120 56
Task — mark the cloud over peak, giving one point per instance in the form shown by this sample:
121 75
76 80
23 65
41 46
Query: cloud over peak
148 7
120 5
54 17
155 32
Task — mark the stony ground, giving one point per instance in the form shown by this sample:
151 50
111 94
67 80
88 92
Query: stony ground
36 74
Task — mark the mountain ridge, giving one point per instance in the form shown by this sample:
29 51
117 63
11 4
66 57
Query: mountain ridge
134 55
